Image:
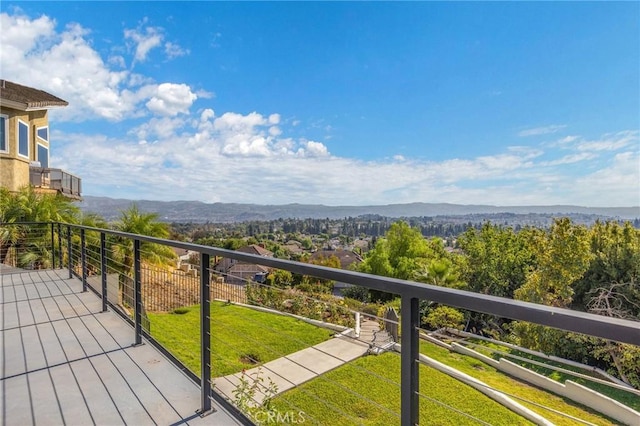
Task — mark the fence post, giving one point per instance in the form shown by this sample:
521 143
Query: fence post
53 247
83 259
60 247
69 261
409 362
205 334
103 269
138 291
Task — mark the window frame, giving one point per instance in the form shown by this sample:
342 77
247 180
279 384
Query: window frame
38 145
5 142
38 133
18 124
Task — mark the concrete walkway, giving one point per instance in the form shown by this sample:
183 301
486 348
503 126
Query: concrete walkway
294 369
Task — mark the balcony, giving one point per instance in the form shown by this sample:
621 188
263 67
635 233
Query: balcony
91 292
57 180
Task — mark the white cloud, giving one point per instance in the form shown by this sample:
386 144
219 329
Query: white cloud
117 60
274 119
171 99
235 158
618 183
172 50
544 130
613 142
571 158
315 149
66 64
144 41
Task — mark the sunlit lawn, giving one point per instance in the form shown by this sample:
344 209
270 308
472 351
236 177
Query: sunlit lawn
496 379
627 398
366 391
351 395
238 334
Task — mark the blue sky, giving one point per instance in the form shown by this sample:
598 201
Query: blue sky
336 103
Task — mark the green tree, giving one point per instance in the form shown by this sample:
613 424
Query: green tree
615 250
320 285
562 256
134 221
442 272
498 259
279 278
31 245
402 253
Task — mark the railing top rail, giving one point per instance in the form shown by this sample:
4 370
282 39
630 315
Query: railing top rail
625 331
49 169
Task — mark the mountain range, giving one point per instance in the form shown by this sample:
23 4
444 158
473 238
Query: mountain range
196 211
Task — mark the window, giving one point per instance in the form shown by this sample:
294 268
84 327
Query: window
43 133
4 135
23 139
43 155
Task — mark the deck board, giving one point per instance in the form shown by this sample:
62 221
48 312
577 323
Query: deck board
66 362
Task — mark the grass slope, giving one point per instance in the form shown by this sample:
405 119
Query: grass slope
627 398
237 334
356 394
507 384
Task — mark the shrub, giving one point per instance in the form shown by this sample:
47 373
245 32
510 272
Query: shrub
323 307
357 293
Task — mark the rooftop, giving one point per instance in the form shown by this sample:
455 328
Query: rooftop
27 98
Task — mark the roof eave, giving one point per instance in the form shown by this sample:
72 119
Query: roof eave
29 107
13 104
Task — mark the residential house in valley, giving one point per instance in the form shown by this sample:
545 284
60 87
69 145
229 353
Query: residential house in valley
25 141
348 260
236 272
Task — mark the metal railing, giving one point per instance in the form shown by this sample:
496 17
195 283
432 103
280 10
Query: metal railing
56 179
85 251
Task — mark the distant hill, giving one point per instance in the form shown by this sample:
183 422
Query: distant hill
196 211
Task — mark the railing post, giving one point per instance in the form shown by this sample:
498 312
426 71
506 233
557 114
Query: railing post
69 261
53 247
60 246
205 334
409 362
137 290
103 269
83 259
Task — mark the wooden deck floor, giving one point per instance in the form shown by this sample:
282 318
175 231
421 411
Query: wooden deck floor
65 362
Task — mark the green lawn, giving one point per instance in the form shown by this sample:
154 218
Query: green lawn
341 406
627 398
498 380
237 334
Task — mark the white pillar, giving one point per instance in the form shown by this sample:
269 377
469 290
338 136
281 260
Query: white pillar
357 324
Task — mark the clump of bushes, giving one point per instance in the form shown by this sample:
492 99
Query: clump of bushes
319 306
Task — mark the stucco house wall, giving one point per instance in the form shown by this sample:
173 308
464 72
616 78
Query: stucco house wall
14 168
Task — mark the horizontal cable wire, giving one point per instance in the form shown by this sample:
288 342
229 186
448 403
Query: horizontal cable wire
451 408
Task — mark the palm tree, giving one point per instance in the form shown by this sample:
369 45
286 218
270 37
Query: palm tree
441 272
134 221
31 245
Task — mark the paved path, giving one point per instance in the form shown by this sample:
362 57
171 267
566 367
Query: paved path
296 368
